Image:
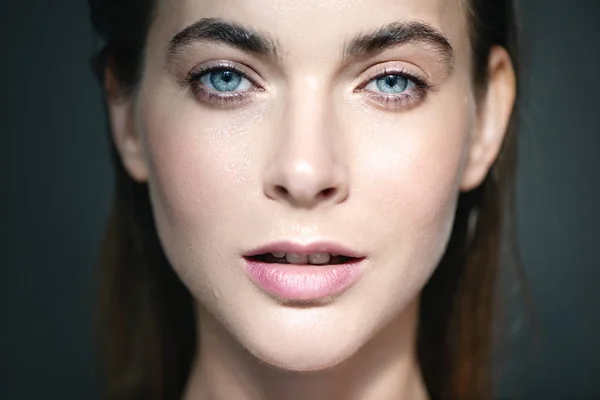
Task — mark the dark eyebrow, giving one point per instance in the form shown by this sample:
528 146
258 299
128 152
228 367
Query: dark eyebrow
399 33
222 31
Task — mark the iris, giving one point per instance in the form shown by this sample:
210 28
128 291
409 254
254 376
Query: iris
392 84
224 80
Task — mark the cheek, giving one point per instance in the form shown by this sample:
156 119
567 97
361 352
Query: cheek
199 169
188 177
411 168
421 177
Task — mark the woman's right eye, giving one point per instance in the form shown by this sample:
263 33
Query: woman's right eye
225 80
222 85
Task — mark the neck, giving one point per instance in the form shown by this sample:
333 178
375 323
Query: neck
384 368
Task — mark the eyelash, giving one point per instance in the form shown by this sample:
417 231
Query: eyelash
401 100
193 81
390 101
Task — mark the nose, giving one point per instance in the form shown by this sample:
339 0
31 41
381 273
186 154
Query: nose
308 168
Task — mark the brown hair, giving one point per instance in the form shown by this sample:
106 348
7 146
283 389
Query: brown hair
146 323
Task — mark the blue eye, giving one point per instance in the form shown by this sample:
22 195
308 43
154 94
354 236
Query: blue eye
392 84
225 80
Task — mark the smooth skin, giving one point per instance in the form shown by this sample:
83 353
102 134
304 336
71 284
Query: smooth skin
306 140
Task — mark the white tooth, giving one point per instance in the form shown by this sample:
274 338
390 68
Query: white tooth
279 254
296 258
319 258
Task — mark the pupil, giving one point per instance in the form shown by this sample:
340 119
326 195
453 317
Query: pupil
226 76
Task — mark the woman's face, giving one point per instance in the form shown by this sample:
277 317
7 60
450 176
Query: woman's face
344 121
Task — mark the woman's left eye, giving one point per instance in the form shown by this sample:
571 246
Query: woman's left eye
225 80
390 84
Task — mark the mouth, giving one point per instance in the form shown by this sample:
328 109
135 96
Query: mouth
301 259
294 253
290 271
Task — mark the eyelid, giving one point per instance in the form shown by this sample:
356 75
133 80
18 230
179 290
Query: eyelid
239 68
393 68
394 102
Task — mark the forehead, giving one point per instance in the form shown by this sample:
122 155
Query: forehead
294 23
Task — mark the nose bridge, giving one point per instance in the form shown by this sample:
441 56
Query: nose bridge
308 121
307 168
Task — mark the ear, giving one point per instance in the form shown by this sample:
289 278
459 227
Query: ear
125 135
493 115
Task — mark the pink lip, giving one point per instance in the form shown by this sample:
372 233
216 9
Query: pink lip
304 282
311 248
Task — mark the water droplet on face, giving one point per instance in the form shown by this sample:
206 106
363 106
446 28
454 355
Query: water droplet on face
215 294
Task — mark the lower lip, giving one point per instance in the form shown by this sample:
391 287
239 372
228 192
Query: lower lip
304 282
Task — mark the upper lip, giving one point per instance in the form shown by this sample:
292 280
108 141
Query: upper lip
304 249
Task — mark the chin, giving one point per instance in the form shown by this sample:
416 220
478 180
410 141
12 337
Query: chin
303 357
305 340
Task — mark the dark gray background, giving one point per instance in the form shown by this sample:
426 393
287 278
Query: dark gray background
56 182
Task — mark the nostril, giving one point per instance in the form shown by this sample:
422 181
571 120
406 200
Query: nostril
281 191
327 192
302 195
